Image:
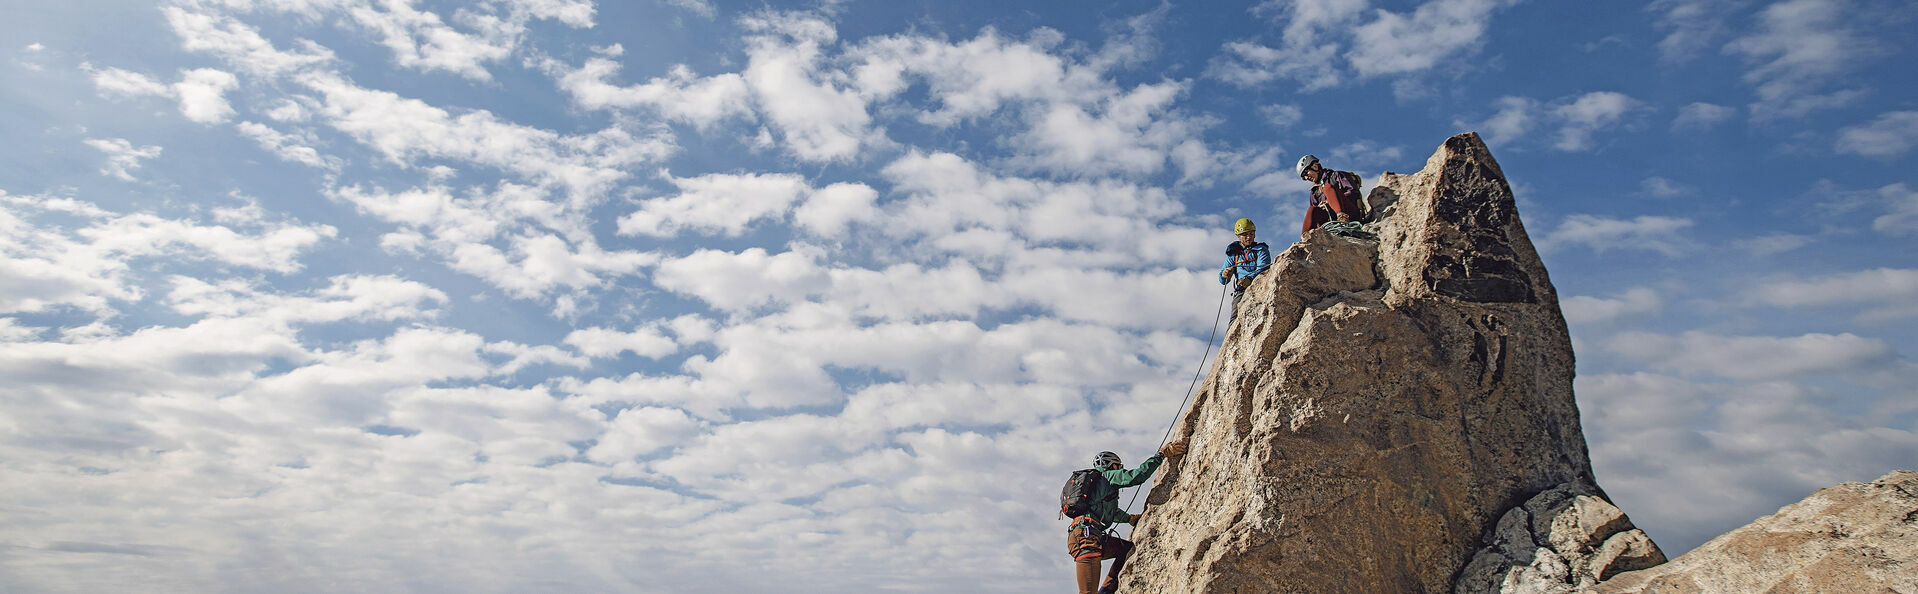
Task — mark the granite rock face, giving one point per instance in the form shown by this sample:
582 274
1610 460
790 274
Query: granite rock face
1853 537
1563 540
1380 405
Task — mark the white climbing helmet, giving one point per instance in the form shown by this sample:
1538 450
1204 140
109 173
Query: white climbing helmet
1306 162
1106 460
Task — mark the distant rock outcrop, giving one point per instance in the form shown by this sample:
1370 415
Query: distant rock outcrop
1392 415
1854 537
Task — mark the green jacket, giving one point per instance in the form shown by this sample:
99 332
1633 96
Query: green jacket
1105 507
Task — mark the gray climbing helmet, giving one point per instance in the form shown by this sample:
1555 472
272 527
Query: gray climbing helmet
1106 460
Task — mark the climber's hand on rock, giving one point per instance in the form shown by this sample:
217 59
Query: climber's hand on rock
1134 520
1174 449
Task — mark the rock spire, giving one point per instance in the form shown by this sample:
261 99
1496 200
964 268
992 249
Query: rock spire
1385 412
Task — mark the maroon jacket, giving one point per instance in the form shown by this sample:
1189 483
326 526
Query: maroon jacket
1343 187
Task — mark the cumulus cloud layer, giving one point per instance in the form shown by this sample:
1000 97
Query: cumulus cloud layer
511 297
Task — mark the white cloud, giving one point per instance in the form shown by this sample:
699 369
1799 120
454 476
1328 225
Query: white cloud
201 91
1753 357
1901 205
1798 52
577 14
289 111
1889 136
1883 293
1638 301
1124 135
706 399
639 431
1364 153
1308 49
1690 26
963 209
1701 116
817 119
717 203
1326 43
1515 117
419 39
830 210
514 237
115 81
277 247
1772 243
1397 43
1647 232
645 341
1249 64
1691 459
909 291
681 95
932 335
347 297
1281 116
1200 166
1899 202
202 95
1589 113
522 356
1577 118
700 7
737 281
1662 187
691 329
289 147
240 44
977 77
12 331
122 156
1146 300
43 269
405 130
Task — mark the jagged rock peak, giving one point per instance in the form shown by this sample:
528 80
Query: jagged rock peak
1380 405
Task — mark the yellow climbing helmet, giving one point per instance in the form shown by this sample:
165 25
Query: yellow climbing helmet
1244 226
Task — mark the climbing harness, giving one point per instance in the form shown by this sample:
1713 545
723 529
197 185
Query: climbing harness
1188 394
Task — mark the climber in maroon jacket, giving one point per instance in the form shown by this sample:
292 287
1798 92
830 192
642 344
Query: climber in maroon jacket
1335 195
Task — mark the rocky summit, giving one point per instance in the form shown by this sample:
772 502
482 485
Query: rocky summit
1853 537
1392 413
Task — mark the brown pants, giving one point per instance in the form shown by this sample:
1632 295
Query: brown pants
1088 544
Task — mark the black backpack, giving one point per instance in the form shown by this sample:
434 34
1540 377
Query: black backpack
1076 499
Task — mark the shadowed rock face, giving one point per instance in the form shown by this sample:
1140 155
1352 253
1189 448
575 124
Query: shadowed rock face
1379 406
1561 541
1854 537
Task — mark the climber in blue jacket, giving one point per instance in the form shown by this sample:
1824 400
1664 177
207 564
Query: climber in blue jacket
1244 259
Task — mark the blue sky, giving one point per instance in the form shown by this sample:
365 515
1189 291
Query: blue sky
690 296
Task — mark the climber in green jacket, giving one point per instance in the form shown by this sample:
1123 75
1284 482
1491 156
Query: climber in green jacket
1088 539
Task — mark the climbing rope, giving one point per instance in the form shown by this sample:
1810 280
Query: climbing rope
1346 228
1188 395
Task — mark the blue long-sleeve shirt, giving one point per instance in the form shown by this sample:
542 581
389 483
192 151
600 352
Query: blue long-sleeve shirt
1249 263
